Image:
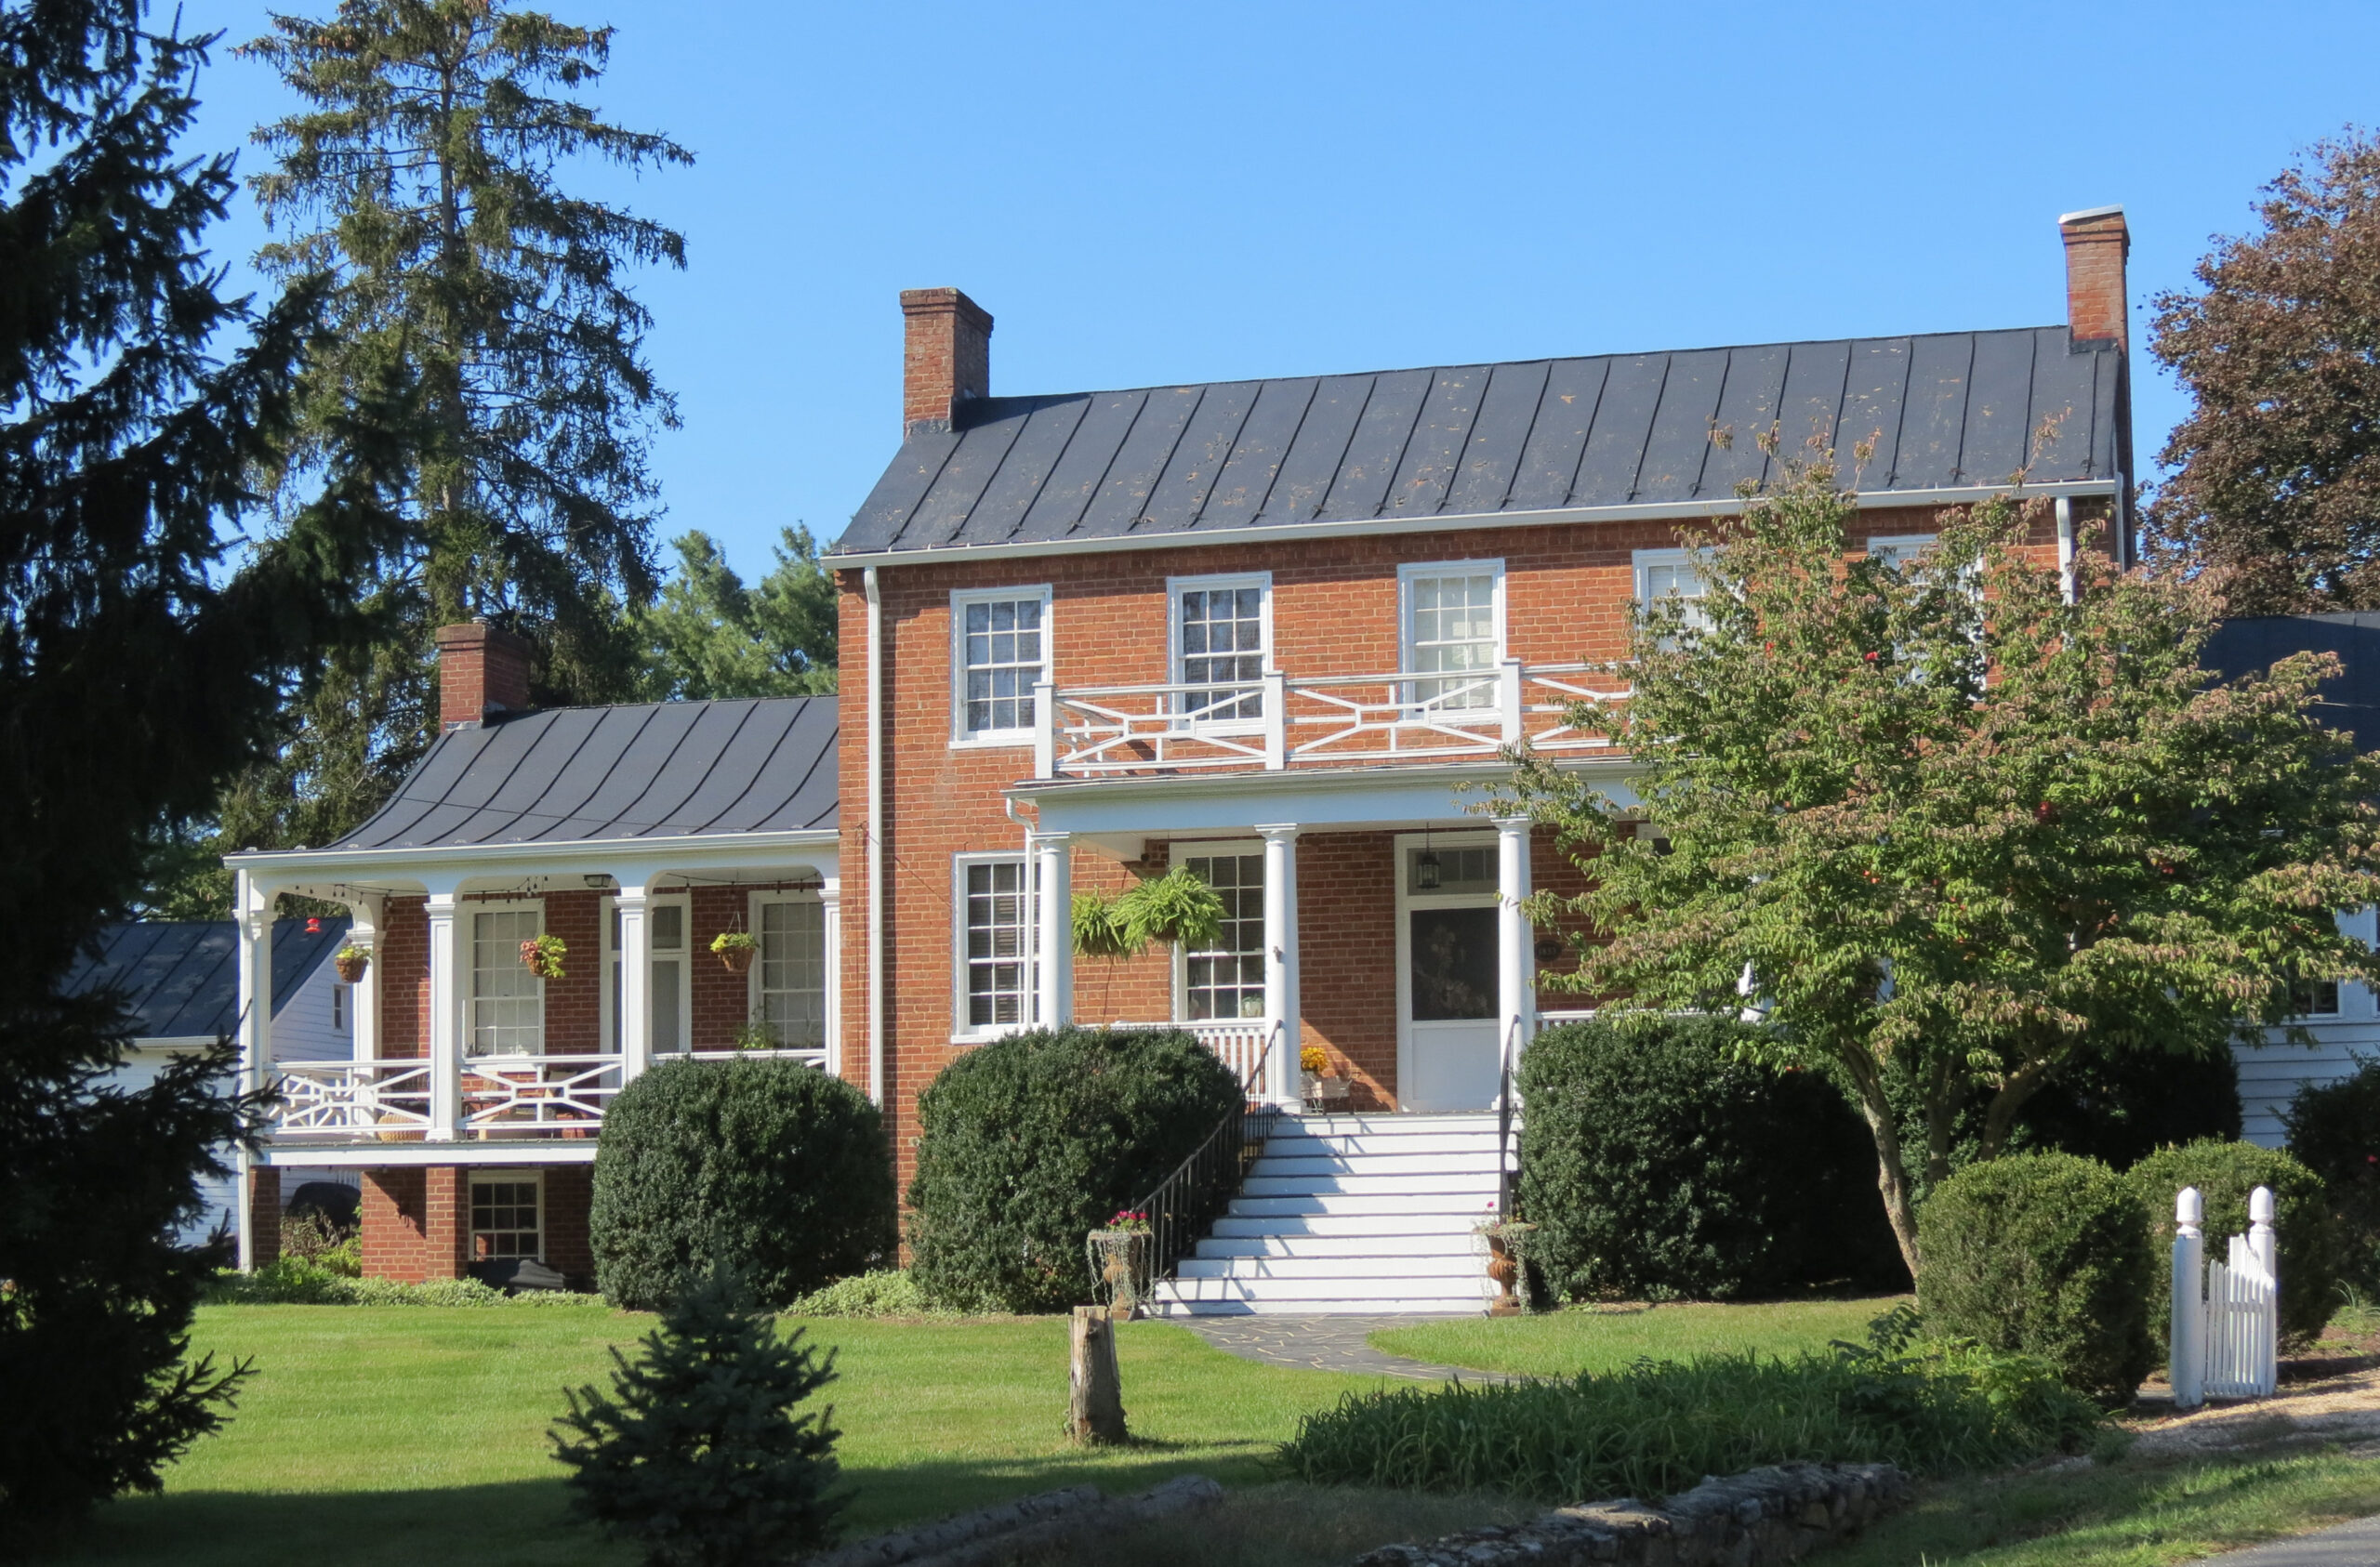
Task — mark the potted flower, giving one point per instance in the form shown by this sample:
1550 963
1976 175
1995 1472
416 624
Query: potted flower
542 955
1320 1082
1120 1262
351 961
736 949
1507 1242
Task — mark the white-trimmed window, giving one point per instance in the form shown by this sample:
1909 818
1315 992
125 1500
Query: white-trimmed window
789 977
668 984
1221 641
995 942
1898 550
508 1001
339 1008
1454 629
999 648
1671 574
2318 999
1226 979
508 1215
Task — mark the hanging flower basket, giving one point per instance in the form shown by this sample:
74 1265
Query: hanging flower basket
736 949
542 955
352 962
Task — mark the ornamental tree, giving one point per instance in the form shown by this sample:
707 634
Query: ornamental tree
1935 821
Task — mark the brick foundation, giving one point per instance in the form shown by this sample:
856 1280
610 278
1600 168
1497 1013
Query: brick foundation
264 1215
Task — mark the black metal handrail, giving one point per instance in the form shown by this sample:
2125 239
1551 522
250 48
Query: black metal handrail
1186 1202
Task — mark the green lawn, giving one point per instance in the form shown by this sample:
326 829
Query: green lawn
411 1434
1606 1339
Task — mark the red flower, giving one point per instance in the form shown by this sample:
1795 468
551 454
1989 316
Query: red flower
1870 657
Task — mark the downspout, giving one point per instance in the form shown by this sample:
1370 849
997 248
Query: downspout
2065 548
875 840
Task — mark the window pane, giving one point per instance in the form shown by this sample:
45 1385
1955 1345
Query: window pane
1221 633
669 974
997 945
668 926
1227 979
793 974
1002 649
1454 633
504 1218
508 1003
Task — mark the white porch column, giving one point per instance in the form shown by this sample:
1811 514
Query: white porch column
636 981
1054 901
252 927
446 986
366 912
830 910
1281 1001
1515 941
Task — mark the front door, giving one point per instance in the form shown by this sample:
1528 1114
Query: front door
1451 1060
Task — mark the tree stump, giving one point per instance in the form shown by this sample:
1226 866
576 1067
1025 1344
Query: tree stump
1095 1404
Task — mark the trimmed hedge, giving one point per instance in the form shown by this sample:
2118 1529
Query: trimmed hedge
773 1168
2335 1131
2225 1173
1028 1143
1657 1164
2044 1255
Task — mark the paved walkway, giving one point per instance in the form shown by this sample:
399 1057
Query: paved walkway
2349 1544
1324 1344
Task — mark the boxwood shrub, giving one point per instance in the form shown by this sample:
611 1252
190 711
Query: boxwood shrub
2335 1131
2043 1255
1657 1165
1027 1143
2225 1173
772 1167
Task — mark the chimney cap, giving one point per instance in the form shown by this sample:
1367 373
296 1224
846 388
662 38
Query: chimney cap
2089 212
931 301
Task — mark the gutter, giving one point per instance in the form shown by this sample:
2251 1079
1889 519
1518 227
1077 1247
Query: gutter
875 840
285 860
1374 526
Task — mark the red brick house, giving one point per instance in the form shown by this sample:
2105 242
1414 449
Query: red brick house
1267 630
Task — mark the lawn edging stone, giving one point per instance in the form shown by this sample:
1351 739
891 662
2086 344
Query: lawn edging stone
1774 1514
999 1533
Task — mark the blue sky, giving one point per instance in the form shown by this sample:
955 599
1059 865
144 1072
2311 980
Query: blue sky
1144 194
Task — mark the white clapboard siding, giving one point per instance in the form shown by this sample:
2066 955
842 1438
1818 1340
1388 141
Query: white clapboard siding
2271 1074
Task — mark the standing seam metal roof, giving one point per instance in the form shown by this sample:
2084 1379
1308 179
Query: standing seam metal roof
1946 411
653 769
181 978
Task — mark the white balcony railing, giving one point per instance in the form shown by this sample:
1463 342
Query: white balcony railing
393 1100
1238 1041
1281 721
352 1100
537 1096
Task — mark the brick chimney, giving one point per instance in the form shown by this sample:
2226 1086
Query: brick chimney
2097 245
946 359
483 672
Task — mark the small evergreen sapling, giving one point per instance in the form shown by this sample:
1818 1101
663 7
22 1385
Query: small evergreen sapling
697 1454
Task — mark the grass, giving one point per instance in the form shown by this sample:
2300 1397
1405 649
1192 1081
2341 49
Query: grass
1612 1337
2128 1513
399 1435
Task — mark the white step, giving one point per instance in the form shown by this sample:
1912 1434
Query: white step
1379 1145
1268 1241
1362 1183
1482 1163
1421 1306
1469 1202
1458 1293
1445 1225
1374 1266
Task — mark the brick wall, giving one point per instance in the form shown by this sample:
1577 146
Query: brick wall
264 1215
402 953
413 1223
568 1188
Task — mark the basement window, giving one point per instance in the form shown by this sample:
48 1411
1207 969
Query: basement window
508 1217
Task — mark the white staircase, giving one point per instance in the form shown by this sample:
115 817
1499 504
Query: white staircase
1372 1214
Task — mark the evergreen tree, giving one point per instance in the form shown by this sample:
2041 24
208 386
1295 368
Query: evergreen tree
709 634
1937 822
423 179
696 1453
140 667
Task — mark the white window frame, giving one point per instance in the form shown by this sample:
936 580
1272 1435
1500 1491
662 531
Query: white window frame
963 1032
1415 571
960 735
342 1007
511 1178
1644 562
1174 588
608 1022
1901 549
470 911
1182 853
827 955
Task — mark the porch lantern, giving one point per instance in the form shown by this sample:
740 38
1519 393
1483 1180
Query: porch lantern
1425 870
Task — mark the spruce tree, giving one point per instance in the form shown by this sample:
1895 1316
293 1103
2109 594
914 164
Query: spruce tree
710 635
141 664
696 1453
424 177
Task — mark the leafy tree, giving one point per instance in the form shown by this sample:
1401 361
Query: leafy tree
140 667
696 1453
709 634
422 180
1935 819
2277 470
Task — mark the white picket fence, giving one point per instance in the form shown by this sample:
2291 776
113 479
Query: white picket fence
2227 1340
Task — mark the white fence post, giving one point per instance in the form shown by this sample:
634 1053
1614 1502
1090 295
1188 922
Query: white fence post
2187 1356
2237 1349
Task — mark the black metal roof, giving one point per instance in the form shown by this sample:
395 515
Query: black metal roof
1952 410
181 978
2350 699
651 771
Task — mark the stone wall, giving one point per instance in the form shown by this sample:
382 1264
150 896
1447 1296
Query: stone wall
1750 1520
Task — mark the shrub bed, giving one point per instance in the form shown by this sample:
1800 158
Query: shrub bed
1662 1426
888 1292
771 1167
2044 1255
1657 1165
2225 1173
2335 1131
293 1282
1027 1143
